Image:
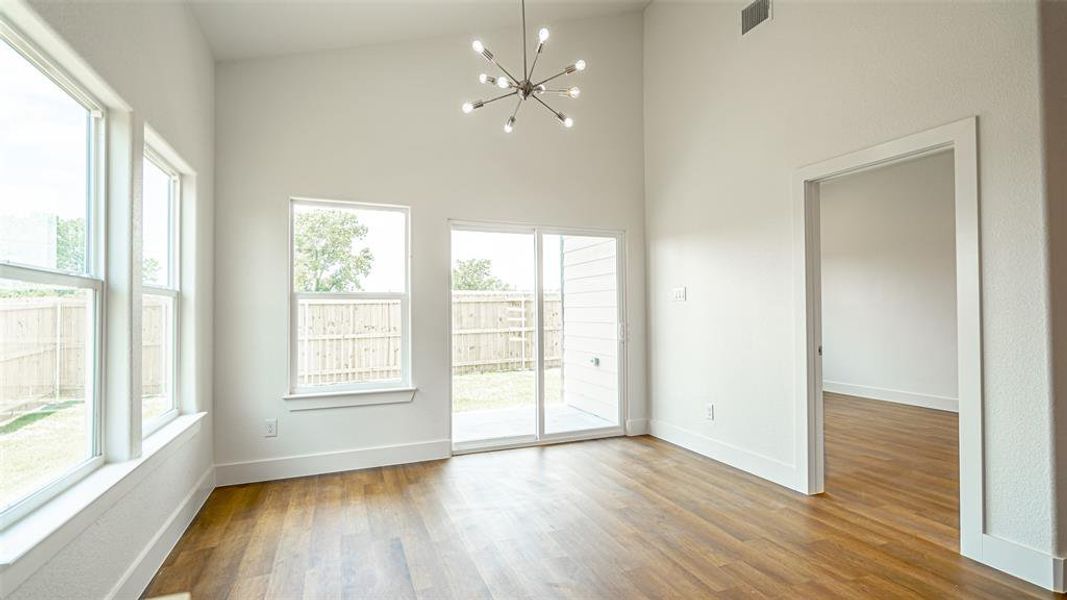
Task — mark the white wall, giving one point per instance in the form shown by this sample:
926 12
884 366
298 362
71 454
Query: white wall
590 331
889 283
383 124
154 57
729 120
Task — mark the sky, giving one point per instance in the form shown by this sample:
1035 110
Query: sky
43 159
512 255
156 218
42 142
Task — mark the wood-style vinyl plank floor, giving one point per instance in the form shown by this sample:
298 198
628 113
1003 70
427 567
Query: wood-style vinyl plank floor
615 518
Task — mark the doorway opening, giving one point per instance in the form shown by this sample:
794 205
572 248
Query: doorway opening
959 140
889 377
537 355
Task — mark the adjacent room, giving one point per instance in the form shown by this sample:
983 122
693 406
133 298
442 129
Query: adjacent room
533 299
890 382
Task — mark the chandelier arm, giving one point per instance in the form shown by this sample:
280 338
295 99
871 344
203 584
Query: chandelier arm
523 38
554 111
501 67
501 97
515 112
537 55
544 81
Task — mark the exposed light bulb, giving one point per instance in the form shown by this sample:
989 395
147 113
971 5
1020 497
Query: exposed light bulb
468 107
503 83
568 122
542 35
541 87
510 125
574 92
483 78
580 65
478 47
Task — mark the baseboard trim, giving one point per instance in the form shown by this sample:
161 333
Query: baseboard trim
144 568
270 469
1023 562
637 427
756 464
897 396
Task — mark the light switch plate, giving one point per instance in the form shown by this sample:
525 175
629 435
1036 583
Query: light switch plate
678 294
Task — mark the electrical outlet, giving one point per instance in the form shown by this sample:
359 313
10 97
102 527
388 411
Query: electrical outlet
270 428
709 411
678 294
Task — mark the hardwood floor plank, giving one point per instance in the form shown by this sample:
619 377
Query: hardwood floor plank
616 518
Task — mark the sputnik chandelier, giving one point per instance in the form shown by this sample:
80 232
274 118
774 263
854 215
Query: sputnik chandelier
525 88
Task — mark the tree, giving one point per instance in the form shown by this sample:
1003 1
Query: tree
70 244
325 256
150 270
476 274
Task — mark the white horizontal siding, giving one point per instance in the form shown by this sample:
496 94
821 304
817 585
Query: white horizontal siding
590 325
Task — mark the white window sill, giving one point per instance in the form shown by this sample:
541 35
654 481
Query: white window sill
29 543
346 398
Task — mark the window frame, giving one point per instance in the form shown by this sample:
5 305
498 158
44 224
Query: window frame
171 288
294 298
93 277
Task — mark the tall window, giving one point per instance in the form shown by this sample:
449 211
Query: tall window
51 279
349 300
159 317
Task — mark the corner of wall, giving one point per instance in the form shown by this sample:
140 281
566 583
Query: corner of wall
1053 52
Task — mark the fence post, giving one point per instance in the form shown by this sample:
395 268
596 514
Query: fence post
59 349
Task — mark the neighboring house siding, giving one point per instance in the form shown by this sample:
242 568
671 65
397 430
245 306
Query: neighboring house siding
590 325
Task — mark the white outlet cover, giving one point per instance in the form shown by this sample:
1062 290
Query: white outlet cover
270 428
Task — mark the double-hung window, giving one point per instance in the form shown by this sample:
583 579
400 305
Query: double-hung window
349 297
160 287
51 278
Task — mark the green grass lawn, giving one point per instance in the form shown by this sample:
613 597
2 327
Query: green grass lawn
40 446
502 389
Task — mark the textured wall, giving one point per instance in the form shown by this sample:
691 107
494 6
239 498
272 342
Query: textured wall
383 124
727 123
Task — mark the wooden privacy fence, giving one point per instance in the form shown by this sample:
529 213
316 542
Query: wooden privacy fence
496 331
349 341
43 351
43 340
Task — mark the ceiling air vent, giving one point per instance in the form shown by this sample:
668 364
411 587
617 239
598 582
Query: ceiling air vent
754 14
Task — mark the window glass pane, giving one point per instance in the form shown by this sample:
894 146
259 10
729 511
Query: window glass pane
44 176
46 347
157 356
338 249
156 225
348 341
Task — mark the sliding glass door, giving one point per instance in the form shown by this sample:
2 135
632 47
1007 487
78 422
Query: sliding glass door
536 346
582 314
494 331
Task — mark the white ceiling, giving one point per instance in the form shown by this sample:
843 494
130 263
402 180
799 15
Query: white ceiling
238 29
